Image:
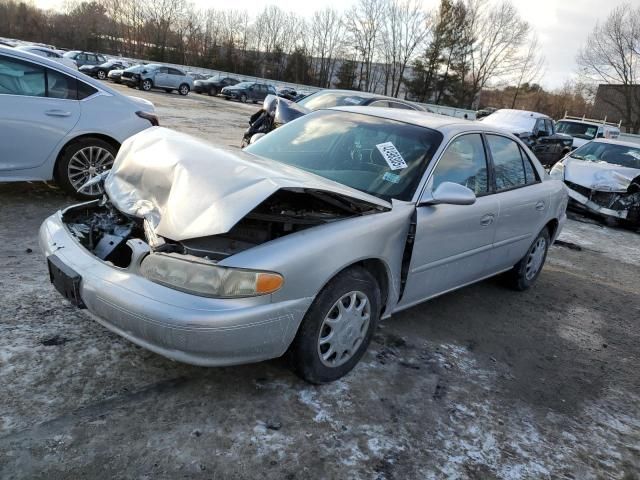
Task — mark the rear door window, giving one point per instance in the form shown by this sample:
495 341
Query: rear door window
508 163
21 78
175 71
61 86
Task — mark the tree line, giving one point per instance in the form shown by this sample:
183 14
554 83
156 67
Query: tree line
393 47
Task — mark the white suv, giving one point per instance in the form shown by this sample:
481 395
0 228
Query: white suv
56 123
584 130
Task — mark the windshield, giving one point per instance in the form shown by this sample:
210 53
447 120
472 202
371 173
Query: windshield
576 129
610 153
215 78
328 99
381 157
515 121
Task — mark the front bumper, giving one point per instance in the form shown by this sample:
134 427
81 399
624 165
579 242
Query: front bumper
130 81
183 327
584 202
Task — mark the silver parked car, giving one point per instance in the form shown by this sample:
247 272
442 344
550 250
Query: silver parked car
151 76
75 124
304 240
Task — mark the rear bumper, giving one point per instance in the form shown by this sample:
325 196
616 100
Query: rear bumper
177 325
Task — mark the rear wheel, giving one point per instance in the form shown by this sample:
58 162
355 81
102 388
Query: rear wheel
243 98
80 162
337 328
527 270
213 91
183 89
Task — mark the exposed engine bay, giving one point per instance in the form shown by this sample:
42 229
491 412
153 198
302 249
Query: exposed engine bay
104 230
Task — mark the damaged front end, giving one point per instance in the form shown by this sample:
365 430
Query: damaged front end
604 191
105 231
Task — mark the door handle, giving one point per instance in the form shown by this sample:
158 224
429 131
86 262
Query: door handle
540 205
57 113
487 219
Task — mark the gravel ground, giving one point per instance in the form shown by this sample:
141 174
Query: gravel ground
481 383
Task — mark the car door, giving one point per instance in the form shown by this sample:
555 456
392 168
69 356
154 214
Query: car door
542 145
34 117
453 243
176 77
161 77
523 198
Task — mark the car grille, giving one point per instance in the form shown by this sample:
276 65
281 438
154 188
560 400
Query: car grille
127 74
602 199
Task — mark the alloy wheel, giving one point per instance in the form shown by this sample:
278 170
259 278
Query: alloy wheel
101 74
85 164
344 329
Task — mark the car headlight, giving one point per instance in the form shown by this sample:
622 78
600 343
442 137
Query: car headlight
557 171
201 277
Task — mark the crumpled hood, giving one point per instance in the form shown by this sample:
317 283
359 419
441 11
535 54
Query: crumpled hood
514 129
601 176
189 189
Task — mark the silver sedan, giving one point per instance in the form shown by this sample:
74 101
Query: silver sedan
302 242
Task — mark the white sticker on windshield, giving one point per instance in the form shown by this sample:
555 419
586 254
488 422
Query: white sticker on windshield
391 155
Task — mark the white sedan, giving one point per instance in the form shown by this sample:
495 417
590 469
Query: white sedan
56 123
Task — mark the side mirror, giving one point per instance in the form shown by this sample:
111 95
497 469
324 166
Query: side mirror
449 193
255 137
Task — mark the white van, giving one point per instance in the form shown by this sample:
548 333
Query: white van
584 130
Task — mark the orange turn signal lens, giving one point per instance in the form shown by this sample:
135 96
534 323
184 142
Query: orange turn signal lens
268 283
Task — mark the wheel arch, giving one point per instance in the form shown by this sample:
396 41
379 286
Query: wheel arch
106 138
552 227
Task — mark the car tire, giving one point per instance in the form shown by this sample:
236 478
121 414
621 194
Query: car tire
243 98
310 353
183 89
526 271
102 75
97 154
146 85
213 91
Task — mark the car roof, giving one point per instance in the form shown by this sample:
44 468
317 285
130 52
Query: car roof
523 113
434 121
589 122
616 142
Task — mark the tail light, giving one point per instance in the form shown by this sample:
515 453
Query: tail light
149 116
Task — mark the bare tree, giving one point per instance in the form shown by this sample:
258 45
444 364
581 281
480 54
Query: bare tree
531 67
327 35
364 21
612 56
495 37
404 31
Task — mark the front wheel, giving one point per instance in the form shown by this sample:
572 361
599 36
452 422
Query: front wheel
146 85
102 74
337 328
243 98
80 162
213 91
183 89
527 270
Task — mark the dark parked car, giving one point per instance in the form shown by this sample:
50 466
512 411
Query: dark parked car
536 130
288 93
85 58
102 71
248 92
213 85
351 98
485 112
